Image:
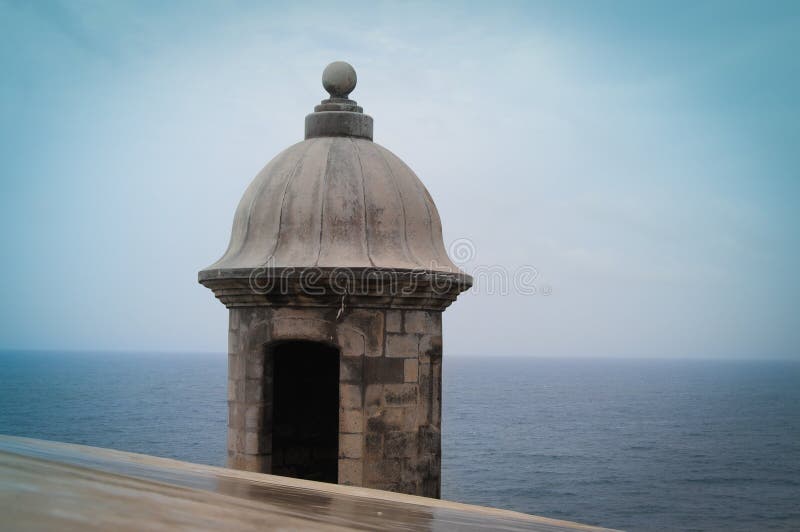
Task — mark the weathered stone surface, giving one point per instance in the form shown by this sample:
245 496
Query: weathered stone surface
351 421
402 345
351 341
430 440
351 369
254 363
358 233
400 394
394 321
251 462
373 444
256 443
410 366
400 444
430 347
370 323
425 393
236 411
373 396
254 390
393 418
385 471
350 396
254 417
236 441
235 390
314 330
384 370
383 398
436 395
351 472
351 445
418 321
303 313
235 367
254 336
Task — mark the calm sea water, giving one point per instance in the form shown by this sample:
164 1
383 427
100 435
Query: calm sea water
640 445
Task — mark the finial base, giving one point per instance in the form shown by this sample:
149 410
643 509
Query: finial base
338 104
338 124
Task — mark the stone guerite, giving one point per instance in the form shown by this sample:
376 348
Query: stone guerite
336 277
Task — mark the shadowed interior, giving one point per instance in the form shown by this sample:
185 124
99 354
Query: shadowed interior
305 435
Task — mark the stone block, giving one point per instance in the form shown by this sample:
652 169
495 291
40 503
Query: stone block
314 330
429 441
373 444
236 461
393 419
250 462
236 412
309 313
394 321
370 323
407 486
351 421
254 365
427 465
418 321
436 395
236 367
255 417
349 396
384 486
233 320
351 445
351 369
383 370
373 395
402 345
233 343
257 443
351 342
400 394
351 472
410 369
236 442
425 393
260 463
236 390
400 444
254 391
430 347
386 471
254 337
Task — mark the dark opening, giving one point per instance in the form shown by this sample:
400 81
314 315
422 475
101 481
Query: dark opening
305 430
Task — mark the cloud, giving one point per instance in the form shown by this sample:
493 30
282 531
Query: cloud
552 138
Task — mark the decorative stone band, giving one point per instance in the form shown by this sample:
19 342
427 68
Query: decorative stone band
339 124
338 104
335 287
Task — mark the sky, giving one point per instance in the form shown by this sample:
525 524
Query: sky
642 157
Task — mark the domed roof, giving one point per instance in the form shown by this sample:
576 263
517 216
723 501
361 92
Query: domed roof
336 200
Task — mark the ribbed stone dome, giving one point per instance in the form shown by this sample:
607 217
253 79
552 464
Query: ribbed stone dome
335 200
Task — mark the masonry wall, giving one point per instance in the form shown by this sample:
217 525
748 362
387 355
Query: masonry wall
389 391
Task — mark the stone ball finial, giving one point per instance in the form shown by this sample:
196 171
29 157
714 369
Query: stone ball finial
339 79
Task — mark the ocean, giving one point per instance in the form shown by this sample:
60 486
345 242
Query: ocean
630 444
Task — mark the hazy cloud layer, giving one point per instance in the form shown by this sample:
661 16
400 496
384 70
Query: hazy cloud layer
643 159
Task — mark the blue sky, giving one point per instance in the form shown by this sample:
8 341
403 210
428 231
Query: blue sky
642 157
